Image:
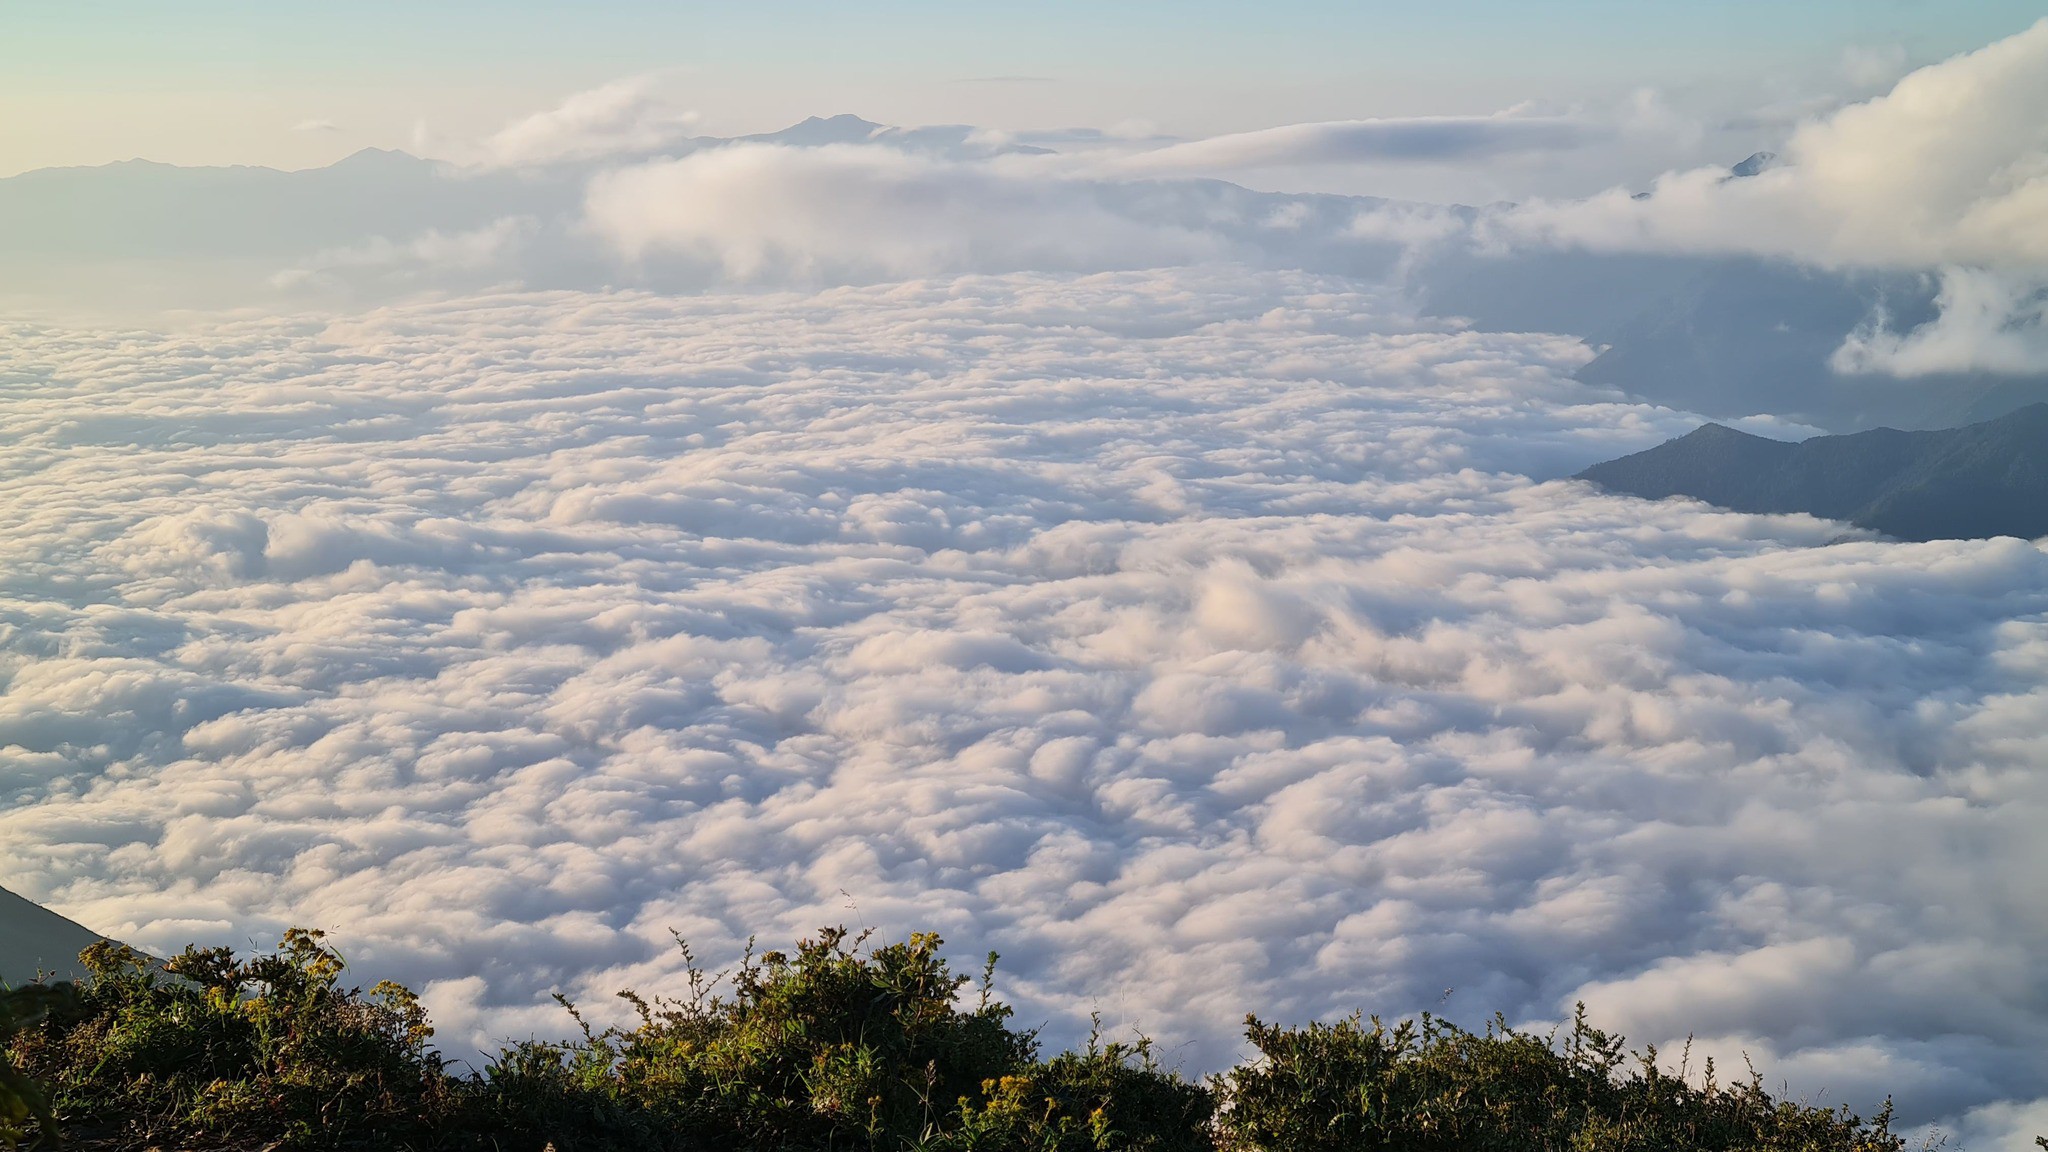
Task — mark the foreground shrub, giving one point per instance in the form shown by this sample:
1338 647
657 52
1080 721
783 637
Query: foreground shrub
1429 1086
21 1099
271 1047
825 1048
1109 1096
837 1045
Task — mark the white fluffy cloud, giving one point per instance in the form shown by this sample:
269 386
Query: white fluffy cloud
625 117
1989 321
1196 639
1949 169
845 212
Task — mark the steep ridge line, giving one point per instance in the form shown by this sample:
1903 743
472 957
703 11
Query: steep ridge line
1980 480
35 940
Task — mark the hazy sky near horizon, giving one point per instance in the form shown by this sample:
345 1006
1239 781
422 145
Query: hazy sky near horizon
294 85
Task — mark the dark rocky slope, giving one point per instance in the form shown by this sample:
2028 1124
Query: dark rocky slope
1988 479
35 940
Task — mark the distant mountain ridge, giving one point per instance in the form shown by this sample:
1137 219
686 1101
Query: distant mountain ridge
136 239
1723 336
1981 480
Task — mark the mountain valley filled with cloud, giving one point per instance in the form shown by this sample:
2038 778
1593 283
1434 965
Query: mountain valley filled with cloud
511 559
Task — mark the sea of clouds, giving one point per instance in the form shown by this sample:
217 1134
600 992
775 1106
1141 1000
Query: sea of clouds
1945 172
1025 548
1206 641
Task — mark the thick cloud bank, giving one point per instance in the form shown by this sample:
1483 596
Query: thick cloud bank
1949 169
625 117
759 212
1196 639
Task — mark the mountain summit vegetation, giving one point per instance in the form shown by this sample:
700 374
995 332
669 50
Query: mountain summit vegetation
838 1044
1988 479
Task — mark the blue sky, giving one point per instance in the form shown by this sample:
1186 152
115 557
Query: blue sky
226 80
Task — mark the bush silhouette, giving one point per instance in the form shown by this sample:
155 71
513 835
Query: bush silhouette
836 1045
828 1047
1429 1086
270 1047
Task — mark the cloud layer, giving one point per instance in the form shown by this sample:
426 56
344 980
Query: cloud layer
752 212
625 117
1947 170
1989 321
1418 138
1199 640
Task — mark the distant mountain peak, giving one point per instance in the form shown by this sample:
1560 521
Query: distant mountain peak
842 120
367 155
1713 431
814 131
371 158
1757 162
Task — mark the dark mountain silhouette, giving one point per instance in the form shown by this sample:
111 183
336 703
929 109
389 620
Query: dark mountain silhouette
1988 479
1756 164
35 940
